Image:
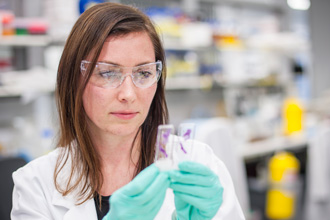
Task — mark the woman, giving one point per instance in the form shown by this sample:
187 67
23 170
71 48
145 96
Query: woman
110 97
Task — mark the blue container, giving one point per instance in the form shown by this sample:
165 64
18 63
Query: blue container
85 4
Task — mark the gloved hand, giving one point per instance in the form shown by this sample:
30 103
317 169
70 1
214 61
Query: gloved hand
141 198
197 190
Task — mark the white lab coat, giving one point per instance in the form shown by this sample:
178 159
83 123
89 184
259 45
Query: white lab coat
35 196
217 133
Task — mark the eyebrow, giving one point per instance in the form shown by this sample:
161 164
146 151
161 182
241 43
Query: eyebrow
116 64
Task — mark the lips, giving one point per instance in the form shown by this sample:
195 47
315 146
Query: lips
125 115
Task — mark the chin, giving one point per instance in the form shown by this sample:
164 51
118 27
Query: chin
123 130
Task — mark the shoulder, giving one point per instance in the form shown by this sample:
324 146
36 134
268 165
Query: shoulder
39 169
34 182
41 164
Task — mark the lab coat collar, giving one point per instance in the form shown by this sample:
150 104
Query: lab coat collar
83 211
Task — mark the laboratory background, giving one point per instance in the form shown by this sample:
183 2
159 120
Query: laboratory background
252 75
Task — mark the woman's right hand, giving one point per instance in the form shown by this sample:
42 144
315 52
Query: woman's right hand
197 190
141 198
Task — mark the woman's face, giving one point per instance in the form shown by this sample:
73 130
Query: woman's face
121 111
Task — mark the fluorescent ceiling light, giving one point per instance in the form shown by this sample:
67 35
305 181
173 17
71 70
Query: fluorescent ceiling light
299 4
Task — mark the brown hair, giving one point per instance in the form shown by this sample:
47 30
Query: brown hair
86 39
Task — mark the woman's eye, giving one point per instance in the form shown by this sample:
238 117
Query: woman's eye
107 74
145 74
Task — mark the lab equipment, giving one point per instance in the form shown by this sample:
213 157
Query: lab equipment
283 176
141 198
187 133
167 143
197 190
164 147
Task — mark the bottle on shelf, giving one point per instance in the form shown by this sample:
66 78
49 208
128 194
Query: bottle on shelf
7 22
293 116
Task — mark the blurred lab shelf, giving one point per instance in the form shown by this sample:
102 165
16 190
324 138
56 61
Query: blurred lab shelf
25 40
176 44
265 4
14 92
267 146
27 83
207 82
186 83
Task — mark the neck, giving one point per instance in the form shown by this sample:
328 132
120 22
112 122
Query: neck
114 150
119 164
119 157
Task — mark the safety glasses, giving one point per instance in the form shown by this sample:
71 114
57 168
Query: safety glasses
107 75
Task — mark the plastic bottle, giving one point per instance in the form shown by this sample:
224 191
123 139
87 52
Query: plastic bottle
283 170
7 21
292 116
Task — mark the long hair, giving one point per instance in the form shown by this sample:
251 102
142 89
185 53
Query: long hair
87 37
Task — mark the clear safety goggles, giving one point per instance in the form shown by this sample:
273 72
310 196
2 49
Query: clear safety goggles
107 75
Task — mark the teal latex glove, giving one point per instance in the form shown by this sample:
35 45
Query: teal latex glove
141 198
197 191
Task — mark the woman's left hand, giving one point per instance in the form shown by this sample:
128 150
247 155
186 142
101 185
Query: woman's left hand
197 189
140 199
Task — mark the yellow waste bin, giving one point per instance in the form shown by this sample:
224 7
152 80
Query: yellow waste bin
281 195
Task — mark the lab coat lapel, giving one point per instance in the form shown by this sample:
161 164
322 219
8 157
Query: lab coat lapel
84 211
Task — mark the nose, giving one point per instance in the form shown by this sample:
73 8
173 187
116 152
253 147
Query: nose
127 90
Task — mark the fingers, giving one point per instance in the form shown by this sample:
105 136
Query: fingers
152 198
192 200
197 185
154 203
193 190
159 185
193 184
151 189
142 181
193 173
191 178
196 168
202 204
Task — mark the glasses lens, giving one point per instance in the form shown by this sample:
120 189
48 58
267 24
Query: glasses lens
146 75
106 75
